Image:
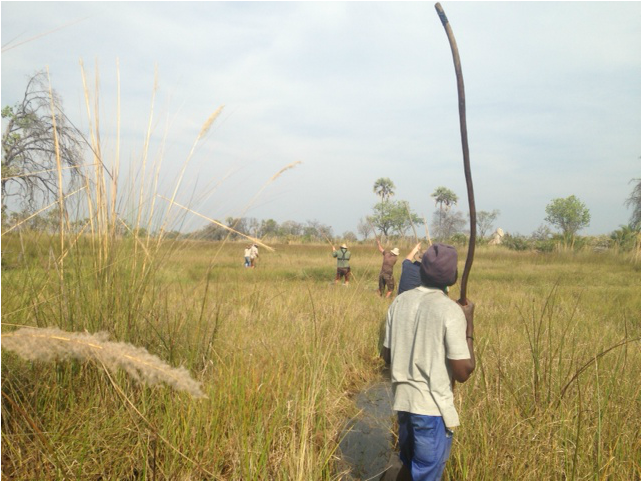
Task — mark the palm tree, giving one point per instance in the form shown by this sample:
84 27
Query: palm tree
384 187
444 196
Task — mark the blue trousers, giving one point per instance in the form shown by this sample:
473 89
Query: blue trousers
424 445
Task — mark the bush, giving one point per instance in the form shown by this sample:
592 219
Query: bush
625 237
545 245
516 242
459 239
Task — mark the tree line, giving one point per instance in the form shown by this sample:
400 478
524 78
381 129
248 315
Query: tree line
395 217
39 144
310 231
568 215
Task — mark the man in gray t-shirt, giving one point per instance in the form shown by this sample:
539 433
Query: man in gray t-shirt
429 345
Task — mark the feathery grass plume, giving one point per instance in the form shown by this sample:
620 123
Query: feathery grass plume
48 344
209 122
289 166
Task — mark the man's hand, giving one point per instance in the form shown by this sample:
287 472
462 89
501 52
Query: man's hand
462 369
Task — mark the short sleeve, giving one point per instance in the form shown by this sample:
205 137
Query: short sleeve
455 337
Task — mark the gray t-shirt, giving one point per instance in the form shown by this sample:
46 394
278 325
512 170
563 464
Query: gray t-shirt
424 327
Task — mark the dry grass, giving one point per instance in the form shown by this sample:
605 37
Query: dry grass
279 350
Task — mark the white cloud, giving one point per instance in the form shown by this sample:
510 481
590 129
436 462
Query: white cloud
358 91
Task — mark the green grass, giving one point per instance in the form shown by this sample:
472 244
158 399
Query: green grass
280 352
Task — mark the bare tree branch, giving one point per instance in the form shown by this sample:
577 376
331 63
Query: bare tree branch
28 148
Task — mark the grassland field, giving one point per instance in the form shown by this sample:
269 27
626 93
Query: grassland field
280 352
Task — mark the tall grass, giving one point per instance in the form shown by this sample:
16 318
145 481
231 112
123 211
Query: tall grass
557 389
280 350
273 366
278 353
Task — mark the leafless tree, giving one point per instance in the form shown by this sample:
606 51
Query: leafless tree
29 167
447 223
485 220
633 201
364 228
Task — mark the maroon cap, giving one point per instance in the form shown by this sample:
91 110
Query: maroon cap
439 265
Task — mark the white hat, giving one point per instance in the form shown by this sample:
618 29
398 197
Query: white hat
344 246
395 251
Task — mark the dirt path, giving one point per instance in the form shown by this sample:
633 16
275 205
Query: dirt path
367 445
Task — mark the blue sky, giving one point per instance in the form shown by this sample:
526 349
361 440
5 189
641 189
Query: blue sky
355 91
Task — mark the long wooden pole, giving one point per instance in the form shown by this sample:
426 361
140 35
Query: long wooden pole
257 241
328 240
427 233
374 231
464 144
411 223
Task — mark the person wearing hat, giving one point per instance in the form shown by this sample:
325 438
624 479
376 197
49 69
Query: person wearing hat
386 278
343 264
428 345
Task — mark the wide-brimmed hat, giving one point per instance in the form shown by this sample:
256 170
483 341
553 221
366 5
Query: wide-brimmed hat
344 246
395 251
439 265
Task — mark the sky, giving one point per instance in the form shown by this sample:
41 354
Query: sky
352 92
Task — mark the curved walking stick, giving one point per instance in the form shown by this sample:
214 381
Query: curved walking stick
464 144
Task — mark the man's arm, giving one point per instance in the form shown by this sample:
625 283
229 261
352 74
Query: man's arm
413 253
379 246
462 369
